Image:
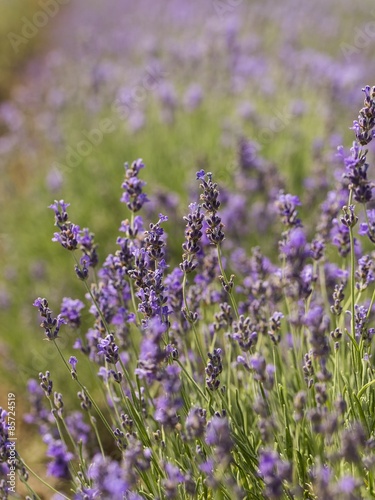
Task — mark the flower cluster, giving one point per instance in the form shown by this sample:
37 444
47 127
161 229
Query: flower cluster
282 409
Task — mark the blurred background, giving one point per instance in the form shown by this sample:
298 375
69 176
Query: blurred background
87 85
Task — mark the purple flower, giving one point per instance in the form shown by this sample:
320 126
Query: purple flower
218 436
274 471
70 309
365 272
368 228
108 478
86 243
154 240
168 405
193 235
69 232
108 347
136 458
213 369
263 372
244 333
59 207
174 478
59 467
73 362
286 205
132 186
195 423
340 237
318 324
151 355
211 204
295 243
347 485
363 127
361 321
51 325
78 428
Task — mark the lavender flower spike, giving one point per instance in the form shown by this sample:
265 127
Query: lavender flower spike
51 325
132 186
69 232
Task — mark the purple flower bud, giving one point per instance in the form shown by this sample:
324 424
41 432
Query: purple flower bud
73 362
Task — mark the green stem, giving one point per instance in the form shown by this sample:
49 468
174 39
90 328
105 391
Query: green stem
44 482
188 316
230 293
365 387
352 279
192 380
93 423
104 420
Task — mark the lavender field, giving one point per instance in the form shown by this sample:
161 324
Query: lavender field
209 167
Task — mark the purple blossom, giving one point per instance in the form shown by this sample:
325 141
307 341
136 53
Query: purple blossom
263 372
136 458
151 354
195 423
244 333
363 127
51 325
211 204
86 243
213 369
347 486
59 466
368 228
193 235
274 471
295 244
218 435
69 232
108 347
73 363
286 205
70 309
168 405
108 478
59 207
78 428
174 478
365 272
133 186
318 324
340 237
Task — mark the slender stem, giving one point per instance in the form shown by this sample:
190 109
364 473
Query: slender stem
93 423
192 380
104 420
44 482
188 318
230 293
352 275
365 387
